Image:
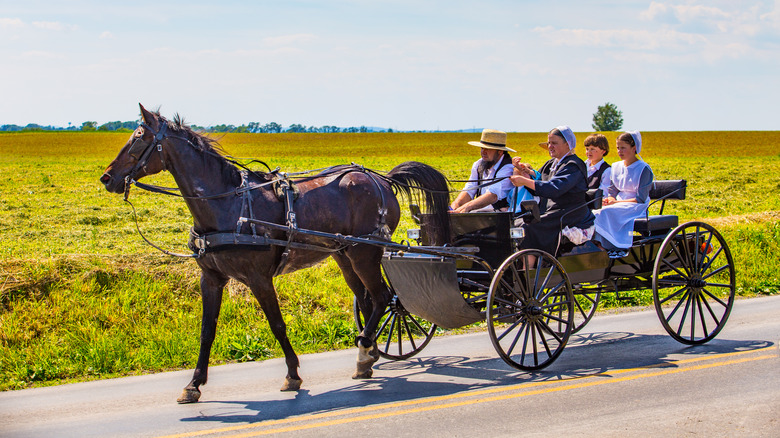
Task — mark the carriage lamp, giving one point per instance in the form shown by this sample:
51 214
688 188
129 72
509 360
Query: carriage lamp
516 233
413 233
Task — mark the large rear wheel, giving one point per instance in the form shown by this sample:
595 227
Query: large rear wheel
530 312
694 283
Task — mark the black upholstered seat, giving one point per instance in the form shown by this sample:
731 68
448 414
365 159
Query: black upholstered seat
652 224
661 223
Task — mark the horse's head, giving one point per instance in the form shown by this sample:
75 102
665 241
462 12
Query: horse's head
140 156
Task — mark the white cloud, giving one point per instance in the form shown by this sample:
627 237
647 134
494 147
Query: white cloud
686 13
659 12
772 18
54 25
106 35
9 23
621 38
42 55
735 18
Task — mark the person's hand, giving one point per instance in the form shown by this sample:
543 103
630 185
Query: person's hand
519 165
462 209
518 180
522 168
608 200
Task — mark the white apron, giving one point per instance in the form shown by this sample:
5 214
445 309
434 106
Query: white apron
615 222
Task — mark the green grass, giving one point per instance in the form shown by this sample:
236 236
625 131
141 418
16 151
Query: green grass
95 317
82 297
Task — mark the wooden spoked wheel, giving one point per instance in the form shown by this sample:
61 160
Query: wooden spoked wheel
400 335
585 304
693 283
530 312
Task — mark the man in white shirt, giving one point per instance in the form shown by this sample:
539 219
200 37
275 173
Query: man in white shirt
489 182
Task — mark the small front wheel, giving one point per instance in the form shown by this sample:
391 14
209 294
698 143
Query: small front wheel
530 312
694 283
400 335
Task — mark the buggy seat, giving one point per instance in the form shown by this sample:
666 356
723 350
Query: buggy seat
652 225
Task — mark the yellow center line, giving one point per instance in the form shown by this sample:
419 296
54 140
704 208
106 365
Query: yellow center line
591 381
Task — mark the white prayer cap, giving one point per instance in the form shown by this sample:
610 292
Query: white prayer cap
637 139
568 135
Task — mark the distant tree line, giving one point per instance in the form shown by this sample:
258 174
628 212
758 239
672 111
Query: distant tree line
253 127
276 128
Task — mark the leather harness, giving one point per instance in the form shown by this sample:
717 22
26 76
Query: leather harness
287 192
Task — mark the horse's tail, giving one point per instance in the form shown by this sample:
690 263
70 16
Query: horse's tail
435 187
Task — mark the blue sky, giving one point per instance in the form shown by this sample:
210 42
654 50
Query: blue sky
407 65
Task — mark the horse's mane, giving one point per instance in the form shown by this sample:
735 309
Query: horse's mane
204 143
199 139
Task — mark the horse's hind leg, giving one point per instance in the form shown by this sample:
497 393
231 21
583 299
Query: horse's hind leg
362 273
211 286
264 292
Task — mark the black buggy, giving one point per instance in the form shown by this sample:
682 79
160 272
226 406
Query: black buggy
533 301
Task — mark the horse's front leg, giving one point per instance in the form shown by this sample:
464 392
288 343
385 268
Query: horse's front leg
263 290
211 287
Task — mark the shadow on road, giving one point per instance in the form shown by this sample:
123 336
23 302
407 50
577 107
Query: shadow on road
433 376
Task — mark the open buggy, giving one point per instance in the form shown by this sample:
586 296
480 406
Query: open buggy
251 226
533 301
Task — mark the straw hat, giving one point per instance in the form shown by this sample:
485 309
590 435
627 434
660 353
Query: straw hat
492 139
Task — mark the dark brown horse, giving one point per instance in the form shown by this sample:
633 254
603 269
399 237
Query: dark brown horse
346 200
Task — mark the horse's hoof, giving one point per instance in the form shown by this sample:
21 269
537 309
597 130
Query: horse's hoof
363 374
364 370
291 384
189 396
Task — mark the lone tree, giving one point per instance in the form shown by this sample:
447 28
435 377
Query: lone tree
607 118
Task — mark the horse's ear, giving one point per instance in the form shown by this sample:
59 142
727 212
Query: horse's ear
148 117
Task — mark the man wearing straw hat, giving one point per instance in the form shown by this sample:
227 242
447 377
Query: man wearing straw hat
489 182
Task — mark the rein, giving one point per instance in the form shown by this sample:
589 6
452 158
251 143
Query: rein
142 150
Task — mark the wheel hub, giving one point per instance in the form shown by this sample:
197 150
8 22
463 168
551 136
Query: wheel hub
533 310
397 307
696 283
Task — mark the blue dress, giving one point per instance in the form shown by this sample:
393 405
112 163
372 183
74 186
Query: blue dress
520 194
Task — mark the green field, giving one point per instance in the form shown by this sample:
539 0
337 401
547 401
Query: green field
81 295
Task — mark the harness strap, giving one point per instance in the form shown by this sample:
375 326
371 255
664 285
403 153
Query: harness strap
246 204
382 229
213 242
288 191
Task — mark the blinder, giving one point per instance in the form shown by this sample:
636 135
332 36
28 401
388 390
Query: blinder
141 149
138 147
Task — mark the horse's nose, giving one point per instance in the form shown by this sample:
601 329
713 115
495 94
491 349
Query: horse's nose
105 178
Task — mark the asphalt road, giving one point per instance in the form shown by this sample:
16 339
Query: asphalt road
623 375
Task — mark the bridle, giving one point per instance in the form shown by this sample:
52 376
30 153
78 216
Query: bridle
141 150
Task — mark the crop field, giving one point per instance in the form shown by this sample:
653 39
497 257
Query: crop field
83 297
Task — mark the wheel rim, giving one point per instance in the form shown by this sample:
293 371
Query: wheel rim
399 335
694 283
530 311
585 304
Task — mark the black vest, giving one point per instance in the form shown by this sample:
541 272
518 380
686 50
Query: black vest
595 180
505 160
